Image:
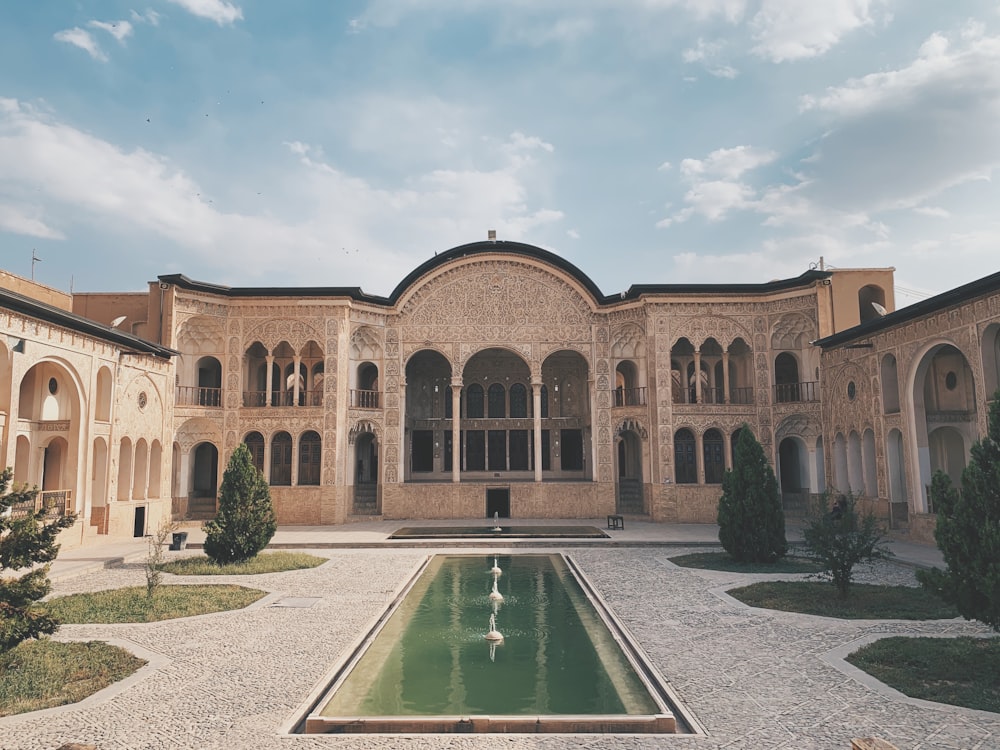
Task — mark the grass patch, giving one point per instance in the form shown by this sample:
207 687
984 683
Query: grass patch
722 561
959 671
272 562
132 604
42 674
864 602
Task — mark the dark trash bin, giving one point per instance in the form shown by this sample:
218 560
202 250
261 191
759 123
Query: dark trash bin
180 540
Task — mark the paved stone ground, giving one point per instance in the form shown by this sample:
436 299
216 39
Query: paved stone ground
753 678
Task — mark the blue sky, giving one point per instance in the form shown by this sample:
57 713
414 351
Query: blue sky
343 142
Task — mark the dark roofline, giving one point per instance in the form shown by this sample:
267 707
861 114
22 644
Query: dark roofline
503 247
928 306
57 316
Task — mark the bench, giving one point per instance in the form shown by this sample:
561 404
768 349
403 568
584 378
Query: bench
616 522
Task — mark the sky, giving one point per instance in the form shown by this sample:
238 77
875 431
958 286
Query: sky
344 142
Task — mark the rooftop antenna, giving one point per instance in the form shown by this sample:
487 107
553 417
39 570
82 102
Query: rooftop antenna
118 321
882 312
34 259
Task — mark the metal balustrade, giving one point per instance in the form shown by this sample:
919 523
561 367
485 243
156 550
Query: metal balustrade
54 502
629 396
785 393
196 395
364 399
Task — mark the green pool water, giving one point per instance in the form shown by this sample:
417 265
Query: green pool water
431 658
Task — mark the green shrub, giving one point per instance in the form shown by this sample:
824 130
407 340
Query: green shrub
751 520
968 531
245 522
839 538
25 541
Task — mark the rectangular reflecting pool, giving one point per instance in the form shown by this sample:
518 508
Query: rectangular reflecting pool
532 649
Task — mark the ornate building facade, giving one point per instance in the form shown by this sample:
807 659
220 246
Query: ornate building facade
495 378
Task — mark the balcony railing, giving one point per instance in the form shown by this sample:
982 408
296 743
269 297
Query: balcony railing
283 398
630 396
786 393
195 395
364 399
54 502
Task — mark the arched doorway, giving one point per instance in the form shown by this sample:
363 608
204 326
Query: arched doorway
629 494
204 480
366 474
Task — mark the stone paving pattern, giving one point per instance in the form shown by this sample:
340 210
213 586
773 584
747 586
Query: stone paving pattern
753 678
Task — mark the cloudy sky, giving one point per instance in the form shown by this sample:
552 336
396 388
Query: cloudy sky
343 142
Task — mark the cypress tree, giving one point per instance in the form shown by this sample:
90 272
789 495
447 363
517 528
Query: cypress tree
25 541
751 520
968 531
245 521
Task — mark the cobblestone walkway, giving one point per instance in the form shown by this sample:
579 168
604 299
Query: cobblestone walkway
753 678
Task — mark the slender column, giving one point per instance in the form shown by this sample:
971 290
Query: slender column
456 430
536 402
401 453
697 376
295 380
699 456
267 461
269 380
727 450
725 376
294 468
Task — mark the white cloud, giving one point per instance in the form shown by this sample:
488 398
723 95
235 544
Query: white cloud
149 16
729 163
26 220
933 211
715 189
793 30
118 29
89 181
84 40
573 234
220 11
898 138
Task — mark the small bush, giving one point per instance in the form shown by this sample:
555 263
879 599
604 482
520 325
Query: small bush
839 538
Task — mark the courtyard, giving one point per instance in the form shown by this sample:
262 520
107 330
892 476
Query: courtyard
752 678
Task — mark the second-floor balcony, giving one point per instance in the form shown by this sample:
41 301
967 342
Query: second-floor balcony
196 395
787 393
365 399
712 395
629 397
54 502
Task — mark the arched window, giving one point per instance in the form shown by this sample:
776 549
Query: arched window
309 457
497 406
255 444
871 302
281 460
890 385
786 378
518 401
685 463
474 401
714 458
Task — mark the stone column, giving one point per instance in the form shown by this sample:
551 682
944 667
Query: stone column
269 380
536 402
297 360
697 376
725 376
456 429
699 456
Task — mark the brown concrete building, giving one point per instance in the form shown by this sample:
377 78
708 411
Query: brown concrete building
496 377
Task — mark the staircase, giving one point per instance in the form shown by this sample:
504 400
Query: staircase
630 497
365 499
201 508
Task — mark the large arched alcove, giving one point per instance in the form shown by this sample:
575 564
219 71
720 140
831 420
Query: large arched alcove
943 396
